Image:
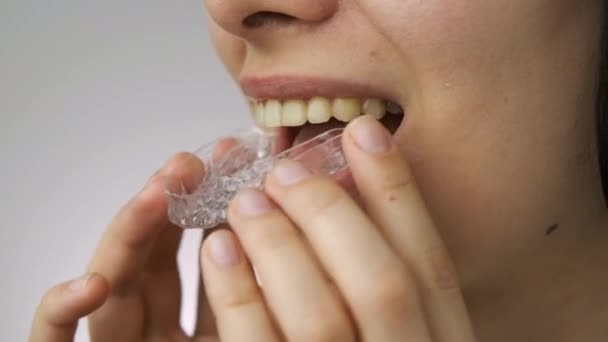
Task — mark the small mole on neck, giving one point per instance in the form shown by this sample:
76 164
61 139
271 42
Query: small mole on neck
551 229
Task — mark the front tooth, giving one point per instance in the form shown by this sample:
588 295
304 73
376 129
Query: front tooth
319 110
294 113
375 108
258 110
346 109
272 113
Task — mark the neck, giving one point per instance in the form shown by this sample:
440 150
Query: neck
557 293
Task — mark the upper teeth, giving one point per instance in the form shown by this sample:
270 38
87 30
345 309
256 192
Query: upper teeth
290 113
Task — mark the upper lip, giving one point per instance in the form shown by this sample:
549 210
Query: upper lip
306 87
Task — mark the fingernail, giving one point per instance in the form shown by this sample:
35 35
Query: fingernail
290 172
370 135
223 250
252 203
79 283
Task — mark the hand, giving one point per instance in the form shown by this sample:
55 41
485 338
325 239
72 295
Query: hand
330 271
134 282
62 306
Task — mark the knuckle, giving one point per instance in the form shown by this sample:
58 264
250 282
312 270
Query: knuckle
238 299
388 294
441 270
322 199
268 240
323 330
396 181
147 205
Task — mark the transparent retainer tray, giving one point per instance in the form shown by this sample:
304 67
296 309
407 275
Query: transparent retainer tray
238 161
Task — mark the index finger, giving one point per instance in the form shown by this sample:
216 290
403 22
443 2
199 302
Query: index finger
393 201
130 236
125 253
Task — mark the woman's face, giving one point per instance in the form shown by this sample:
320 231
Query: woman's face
498 98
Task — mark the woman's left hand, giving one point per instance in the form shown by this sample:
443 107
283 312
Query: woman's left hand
331 271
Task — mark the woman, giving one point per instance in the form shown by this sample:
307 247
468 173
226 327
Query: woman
484 215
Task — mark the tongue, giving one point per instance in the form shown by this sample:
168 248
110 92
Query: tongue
309 131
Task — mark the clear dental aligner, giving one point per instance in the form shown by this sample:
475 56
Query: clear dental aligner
245 165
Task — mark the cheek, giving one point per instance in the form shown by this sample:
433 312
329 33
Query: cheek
481 73
453 65
231 50
493 119
464 44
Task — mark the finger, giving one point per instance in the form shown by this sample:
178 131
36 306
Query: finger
161 284
205 319
372 279
223 146
127 243
233 292
161 289
57 316
125 248
294 286
393 201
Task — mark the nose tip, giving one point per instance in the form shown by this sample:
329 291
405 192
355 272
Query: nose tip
241 17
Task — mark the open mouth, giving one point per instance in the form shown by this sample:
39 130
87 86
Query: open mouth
299 120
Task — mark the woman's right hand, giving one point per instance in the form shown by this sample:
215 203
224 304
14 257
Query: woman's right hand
132 286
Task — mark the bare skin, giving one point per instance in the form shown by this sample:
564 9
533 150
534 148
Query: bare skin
495 165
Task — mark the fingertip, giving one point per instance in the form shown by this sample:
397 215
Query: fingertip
184 171
250 203
86 294
221 249
222 147
98 288
68 302
372 152
216 238
369 135
65 304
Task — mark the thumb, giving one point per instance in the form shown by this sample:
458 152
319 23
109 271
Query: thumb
57 316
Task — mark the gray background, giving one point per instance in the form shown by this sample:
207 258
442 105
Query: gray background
94 97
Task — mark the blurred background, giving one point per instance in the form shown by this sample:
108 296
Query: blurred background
94 97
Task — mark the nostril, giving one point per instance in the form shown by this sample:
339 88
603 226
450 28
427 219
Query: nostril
259 19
